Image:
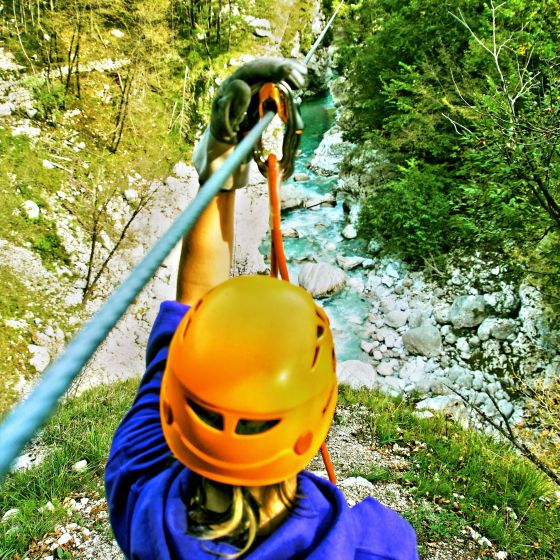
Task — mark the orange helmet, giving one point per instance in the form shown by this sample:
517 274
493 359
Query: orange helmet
249 389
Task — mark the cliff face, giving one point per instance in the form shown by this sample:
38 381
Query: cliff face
99 109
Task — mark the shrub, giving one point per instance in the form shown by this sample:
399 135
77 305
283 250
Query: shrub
410 215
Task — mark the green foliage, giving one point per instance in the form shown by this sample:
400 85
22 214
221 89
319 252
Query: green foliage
49 96
468 87
81 429
434 525
469 478
50 247
411 215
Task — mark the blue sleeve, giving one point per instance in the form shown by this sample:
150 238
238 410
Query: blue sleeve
139 451
385 535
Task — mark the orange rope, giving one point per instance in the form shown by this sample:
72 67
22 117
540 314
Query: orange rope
278 259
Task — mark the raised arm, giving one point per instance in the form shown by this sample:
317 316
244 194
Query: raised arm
207 250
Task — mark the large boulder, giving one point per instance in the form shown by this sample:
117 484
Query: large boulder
348 263
260 26
424 340
468 311
503 328
292 197
356 374
330 153
321 279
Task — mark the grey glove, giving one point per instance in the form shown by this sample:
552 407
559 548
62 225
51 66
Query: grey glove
235 111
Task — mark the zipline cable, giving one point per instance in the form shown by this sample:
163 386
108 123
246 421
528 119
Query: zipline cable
27 417
321 36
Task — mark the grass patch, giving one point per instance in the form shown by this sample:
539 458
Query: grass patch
82 428
470 477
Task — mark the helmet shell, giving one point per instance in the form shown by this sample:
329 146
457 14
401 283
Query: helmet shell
254 351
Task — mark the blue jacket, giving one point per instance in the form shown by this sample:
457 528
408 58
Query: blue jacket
146 486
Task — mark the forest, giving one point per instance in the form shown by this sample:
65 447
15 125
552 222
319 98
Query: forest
463 96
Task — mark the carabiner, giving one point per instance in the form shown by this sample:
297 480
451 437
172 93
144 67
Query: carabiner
279 98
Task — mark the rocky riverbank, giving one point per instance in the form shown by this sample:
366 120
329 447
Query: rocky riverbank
475 331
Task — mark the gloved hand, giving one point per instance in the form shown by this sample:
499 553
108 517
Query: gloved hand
235 110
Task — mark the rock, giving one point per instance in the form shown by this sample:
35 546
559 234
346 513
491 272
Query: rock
31 112
182 170
348 263
339 90
474 341
80 466
386 369
6 109
413 370
396 318
356 374
47 164
41 357
485 329
355 489
131 195
330 153
290 233
415 318
374 247
387 280
423 414
317 202
463 345
31 209
330 247
506 408
292 197
65 538
26 130
467 311
321 279
301 177
450 338
368 263
349 232
117 33
503 328
367 347
447 404
10 513
441 313
455 373
424 340
261 26
478 381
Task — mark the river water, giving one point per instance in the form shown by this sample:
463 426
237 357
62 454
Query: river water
320 237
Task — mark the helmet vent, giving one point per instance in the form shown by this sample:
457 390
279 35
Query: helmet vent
249 427
315 357
187 325
320 331
167 413
213 419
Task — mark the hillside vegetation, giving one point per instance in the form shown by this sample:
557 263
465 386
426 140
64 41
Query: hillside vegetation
99 101
462 96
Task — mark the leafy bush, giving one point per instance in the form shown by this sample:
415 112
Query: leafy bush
50 247
411 215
